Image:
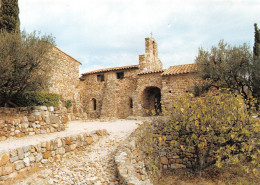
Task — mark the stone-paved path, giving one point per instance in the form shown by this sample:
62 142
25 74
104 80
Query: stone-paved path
90 165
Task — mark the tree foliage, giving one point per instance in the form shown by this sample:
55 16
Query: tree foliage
9 16
257 41
208 130
24 63
256 65
230 67
234 67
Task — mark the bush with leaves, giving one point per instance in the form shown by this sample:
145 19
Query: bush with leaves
36 99
211 130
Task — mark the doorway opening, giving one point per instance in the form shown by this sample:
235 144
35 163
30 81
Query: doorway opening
152 100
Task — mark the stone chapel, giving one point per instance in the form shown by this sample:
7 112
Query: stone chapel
125 91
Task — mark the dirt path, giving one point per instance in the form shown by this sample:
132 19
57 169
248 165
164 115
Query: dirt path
90 165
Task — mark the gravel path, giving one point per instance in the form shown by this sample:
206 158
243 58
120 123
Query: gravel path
75 127
90 165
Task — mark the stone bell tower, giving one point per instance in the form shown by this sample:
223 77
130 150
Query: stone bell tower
150 62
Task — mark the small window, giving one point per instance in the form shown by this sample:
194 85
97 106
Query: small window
94 102
131 103
120 75
100 77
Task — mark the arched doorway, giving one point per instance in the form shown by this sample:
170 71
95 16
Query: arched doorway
152 100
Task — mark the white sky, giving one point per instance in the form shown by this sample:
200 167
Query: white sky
110 33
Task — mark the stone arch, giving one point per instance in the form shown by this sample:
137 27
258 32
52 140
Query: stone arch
151 99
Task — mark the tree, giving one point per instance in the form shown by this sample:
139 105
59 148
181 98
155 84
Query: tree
24 63
257 41
234 67
227 66
9 16
256 65
206 131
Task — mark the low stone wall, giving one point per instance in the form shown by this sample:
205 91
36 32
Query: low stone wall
135 167
18 160
162 155
130 163
19 122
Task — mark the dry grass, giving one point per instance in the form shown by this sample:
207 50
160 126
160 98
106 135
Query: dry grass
212 176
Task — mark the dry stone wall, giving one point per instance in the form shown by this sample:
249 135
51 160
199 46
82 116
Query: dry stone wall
162 156
130 163
137 165
19 122
20 159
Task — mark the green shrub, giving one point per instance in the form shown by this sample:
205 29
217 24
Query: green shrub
68 103
36 99
210 130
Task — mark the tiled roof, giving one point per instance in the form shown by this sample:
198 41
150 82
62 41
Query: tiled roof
150 72
111 69
180 69
66 54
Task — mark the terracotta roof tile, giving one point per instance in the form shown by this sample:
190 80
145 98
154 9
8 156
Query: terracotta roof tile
111 69
66 54
150 72
180 69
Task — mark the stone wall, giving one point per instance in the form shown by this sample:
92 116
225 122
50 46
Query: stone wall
174 86
65 76
136 164
111 97
130 163
19 122
162 157
18 160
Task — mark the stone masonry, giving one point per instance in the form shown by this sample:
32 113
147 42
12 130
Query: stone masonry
24 121
21 159
65 77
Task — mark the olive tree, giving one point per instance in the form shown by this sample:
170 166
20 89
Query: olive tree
233 67
226 66
24 63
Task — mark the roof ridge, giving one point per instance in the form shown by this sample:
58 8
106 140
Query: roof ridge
151 72
111 69
66 54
